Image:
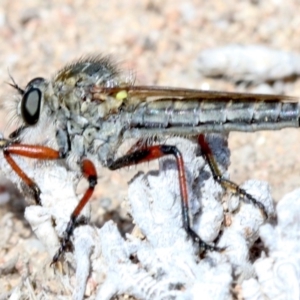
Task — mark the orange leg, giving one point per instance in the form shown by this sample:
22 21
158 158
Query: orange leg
46 153
30 151
155 152
89 172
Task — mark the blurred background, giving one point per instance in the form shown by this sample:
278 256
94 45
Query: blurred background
161 42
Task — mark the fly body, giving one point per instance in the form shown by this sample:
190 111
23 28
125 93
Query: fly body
88 109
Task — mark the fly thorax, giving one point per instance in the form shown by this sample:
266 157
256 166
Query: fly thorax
51 98
76 124
78 149
90 134
105 139
110 105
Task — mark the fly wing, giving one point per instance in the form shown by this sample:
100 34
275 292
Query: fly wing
155 93
174 110
134 95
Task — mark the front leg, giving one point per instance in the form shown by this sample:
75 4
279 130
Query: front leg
30 151
45 153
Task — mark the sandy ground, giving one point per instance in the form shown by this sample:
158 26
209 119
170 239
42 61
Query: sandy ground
160 42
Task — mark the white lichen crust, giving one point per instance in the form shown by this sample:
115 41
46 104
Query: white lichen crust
277 271
158 260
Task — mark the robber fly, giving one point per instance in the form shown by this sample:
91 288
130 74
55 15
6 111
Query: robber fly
86 111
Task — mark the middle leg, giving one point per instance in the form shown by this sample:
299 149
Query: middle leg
154 152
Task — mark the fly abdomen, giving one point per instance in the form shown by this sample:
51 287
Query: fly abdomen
216 115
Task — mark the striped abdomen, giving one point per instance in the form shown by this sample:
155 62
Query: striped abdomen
214 115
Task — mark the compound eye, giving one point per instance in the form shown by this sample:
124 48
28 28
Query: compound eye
31 106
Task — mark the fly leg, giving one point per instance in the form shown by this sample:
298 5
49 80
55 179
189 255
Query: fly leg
154 152
225 183
46 153
30 151
89 172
